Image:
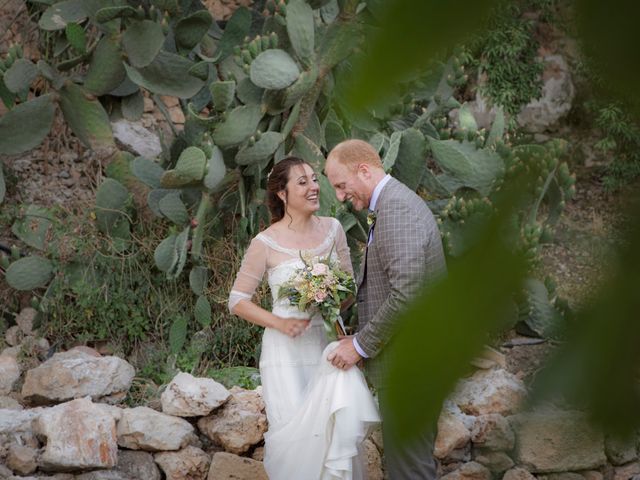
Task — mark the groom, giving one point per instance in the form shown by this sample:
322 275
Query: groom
404 251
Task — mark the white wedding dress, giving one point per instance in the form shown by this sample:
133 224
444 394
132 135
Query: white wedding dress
318 415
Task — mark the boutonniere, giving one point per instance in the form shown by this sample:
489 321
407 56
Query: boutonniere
371 218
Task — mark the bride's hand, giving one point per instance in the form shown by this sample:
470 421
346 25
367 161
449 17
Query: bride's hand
292 327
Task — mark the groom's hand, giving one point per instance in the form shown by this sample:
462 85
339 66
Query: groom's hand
344 356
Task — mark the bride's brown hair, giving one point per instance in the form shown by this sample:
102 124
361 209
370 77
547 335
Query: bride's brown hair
276 182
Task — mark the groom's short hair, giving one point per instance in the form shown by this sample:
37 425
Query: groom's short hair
354 152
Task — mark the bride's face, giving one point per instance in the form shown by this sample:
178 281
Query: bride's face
303 190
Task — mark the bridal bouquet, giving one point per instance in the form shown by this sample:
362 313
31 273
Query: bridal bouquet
320 286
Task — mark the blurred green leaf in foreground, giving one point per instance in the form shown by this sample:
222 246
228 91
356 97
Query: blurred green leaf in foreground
598 366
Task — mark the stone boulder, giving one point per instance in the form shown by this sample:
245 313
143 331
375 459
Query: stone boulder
469 471
190 463
556 100
495 461
373 461
79 436
518 473
17 421
9 373
620 450
626 472
239 423
142 428
493 432
9 403
489 391
188 396
227 466
556 441
452 435
76 374
22 459
136 138
137 464
25 320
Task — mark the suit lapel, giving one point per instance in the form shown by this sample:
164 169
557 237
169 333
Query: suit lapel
363 266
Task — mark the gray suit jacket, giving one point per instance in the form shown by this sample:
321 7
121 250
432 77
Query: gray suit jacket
405 252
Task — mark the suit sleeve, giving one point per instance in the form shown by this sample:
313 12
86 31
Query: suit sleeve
411 252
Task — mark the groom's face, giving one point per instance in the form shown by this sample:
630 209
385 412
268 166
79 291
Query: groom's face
348 184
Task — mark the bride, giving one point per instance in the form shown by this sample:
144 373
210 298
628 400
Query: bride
318 415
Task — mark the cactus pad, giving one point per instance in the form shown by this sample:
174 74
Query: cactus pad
57 16
86 117
171 206
106 71
300 27
240 124
26 125
142 41
19 76
111 200
222 94
33 228
263 149
274 69
167 74
216 170
29 273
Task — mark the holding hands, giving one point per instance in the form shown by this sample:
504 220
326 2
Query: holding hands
291 326
345 355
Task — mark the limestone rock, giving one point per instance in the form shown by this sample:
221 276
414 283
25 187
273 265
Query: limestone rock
25 320
469 471
227 466
258 454
557 96
556 441
518 473
489 391
239 424
592 475
561 476
374 461
190 463
79 436
137 464
103 475
188 396
619 450
22 459
136 138
492 431
9 403
76 374
452 434
494 461
9 373
142 428
15 421
13 336
627 472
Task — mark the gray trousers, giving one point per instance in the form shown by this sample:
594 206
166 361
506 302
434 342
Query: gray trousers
407 461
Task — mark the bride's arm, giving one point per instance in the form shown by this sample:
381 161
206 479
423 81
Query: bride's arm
247 280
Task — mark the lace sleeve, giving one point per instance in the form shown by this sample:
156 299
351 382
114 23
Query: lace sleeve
342 248
254 264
